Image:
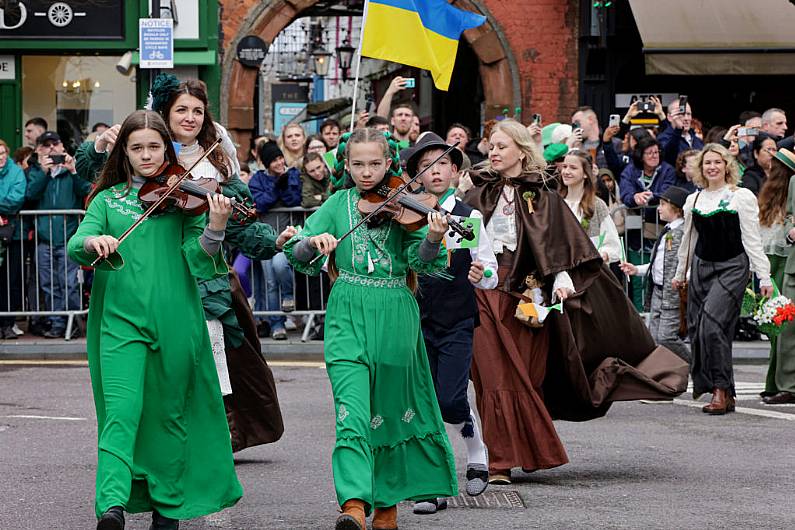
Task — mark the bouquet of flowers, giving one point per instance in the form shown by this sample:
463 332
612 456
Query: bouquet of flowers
772 314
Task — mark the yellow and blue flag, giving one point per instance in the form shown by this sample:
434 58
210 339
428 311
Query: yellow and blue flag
421 33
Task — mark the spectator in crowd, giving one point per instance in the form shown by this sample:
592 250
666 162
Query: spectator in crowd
643 181
774 206
245 174
680 134
554 155
12 195
274 187
22 155
54 184
619 155
591 134
607 190
34 128
774 123
100 127
460 133
402 122
662 300
292 142
330 133
315 144
684 170
378 122
579 193
315 181
763 149
721 245
716 134
414 131
253 163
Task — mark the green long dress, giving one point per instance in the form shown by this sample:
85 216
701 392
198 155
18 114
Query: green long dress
784 372
163 436
391 442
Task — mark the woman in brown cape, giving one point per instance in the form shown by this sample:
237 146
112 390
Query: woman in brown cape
596 351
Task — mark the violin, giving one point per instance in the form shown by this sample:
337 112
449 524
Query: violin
410 210
190 196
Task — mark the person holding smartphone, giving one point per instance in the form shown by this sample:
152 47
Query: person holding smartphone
679 135
54 184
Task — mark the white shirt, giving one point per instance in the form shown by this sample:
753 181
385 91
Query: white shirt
503 227
484 252
658 267
742 201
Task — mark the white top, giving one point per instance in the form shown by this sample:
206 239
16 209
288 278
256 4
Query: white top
502 227
484 252
610 244
742 201
658 267
188 154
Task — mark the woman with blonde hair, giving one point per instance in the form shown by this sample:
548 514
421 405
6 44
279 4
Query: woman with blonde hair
292 142
720 247
570 366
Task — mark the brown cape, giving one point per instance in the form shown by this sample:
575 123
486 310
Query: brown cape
252 408
600 348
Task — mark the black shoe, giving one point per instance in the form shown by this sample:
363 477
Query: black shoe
113 519
263 330
37 327
54 334
160 522
8 334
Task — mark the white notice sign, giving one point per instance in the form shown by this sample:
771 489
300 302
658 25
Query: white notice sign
7 68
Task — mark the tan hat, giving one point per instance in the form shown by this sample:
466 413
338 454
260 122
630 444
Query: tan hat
786 157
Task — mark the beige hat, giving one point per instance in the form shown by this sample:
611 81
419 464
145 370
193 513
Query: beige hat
786 157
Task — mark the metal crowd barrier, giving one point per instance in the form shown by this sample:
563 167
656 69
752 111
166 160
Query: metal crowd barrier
638 238
31 274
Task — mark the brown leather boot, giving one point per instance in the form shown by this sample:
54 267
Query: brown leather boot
719 403
352 517
385 518
730 403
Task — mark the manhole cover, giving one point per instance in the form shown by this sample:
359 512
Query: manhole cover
489 499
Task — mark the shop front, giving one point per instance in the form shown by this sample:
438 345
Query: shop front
75 63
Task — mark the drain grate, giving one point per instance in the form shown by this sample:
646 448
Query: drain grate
488 500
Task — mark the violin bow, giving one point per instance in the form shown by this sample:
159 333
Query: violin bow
159 201
397 192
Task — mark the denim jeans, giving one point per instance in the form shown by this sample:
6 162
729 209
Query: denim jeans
278 286
58 282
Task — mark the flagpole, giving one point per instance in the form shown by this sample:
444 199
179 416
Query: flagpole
358 65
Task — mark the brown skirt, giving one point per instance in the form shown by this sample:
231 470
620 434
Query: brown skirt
508 370
252 408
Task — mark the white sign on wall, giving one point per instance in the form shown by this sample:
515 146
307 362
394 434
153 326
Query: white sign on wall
7 67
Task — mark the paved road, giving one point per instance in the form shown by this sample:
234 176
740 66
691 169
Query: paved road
643 466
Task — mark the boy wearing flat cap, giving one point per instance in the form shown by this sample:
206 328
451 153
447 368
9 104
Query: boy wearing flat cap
662 300
449 311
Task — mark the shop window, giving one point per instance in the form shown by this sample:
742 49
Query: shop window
73 93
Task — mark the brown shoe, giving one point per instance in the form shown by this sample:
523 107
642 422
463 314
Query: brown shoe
730 403
780 399
352 517
719 404
385 518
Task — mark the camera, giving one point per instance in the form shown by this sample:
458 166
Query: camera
747 131
537 119
615 120
682 104
409 82
58 159
646 106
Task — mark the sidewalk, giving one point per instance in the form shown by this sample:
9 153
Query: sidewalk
33 348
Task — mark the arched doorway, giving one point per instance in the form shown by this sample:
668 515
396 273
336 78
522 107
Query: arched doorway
497 68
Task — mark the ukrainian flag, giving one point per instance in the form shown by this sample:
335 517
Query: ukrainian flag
421 33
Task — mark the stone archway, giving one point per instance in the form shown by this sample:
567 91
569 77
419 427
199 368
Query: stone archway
498 68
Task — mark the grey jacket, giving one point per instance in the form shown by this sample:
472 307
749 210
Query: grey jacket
670 262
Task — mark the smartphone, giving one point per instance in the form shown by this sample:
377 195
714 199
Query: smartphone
575 125
58 159
615 120
682 104
537 119
747 131
409 82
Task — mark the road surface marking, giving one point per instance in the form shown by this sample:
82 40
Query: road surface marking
31 417
742 410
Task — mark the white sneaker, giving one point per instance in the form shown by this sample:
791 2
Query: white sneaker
16 330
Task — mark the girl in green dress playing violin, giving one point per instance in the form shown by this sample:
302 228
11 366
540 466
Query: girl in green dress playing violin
391 442
163 440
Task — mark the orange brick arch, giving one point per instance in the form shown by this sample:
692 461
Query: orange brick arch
527 53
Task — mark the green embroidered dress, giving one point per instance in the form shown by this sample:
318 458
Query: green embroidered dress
163 437
391 443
